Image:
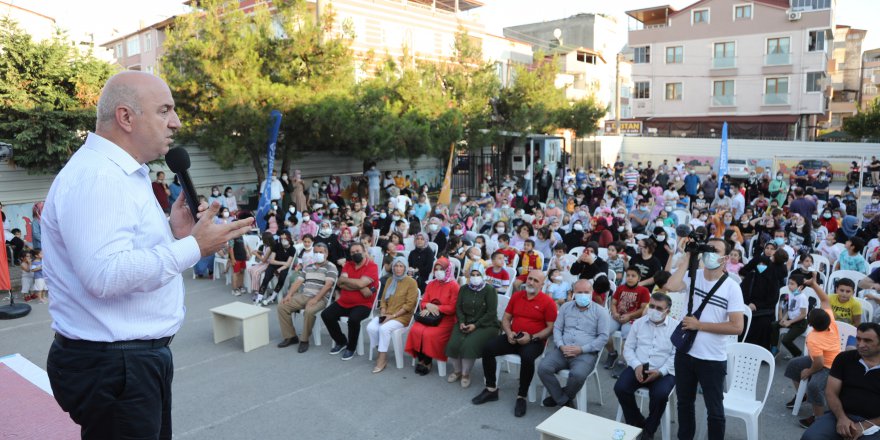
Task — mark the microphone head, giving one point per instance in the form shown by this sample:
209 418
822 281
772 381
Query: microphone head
177 159
682 230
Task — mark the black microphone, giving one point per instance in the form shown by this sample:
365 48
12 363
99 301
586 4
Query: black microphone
178 161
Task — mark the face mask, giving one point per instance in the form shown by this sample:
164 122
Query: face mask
557 279
439 274
778 177
704 218
661 238
762 268
692 171
395 217
458 232
476 280
462 199
779 241
383 215
711 260
215 193
553 205
582 299
796 292
875 201
643 208
275 207
437 210
325 231
727 222
433 227
225 215
323 186
655 316
644 192
826 215
519 193
658 223
499 229
578 227
358 258
482 194
620 228
318 258
285 243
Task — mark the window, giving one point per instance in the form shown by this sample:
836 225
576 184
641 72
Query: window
148 42
642 54
776 91
584 57
674 55
778 51
133 45
700 16
814 81
809 5
742 12
724 55
722 93
817 40
118 52
673 91
642 90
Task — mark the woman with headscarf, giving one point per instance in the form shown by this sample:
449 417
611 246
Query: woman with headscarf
428 342
421 259
600 233
476 311
396 305
339 247
848 229
36 235
298 192
763 276
334 191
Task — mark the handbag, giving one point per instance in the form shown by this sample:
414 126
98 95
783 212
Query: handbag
429 319
683 339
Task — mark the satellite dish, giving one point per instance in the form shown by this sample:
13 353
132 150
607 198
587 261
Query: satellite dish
557 33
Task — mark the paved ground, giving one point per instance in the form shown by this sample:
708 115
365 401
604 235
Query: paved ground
221 392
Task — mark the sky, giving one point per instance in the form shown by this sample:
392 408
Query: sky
106 18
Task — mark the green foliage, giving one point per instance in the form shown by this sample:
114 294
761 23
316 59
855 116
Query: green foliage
866 123
48 93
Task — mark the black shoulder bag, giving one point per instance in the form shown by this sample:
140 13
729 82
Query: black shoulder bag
683 339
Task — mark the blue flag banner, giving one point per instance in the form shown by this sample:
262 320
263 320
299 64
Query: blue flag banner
722 158
265 198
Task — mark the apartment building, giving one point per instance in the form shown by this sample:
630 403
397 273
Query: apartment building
845 73
141 49
37 25
760 65
870 73
586 46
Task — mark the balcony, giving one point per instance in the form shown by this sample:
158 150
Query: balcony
724 63
777 59
723 101
776 99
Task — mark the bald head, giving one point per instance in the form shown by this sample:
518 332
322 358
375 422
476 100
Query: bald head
582 286
534 281
136 112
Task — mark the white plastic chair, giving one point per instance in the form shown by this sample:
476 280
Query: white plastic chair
220 266
515 360
867 309
502 305
873 265
665 422
603 253
679 304
409 243
361 335
376 254
433 247
512 273
397 339
741 400
581 398
577 251
838 274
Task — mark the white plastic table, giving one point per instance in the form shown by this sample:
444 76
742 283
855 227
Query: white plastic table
238 318
570 424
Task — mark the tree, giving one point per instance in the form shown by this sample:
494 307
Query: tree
866 123
48 94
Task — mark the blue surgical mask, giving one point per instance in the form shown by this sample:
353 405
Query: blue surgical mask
582 299
711 260
762 268
779 241
796 292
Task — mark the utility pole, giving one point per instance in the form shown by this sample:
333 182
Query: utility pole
617 96
318 21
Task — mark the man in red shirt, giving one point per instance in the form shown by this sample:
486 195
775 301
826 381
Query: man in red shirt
628 304
527 323
358 283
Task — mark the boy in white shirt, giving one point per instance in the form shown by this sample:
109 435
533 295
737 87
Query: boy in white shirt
793 315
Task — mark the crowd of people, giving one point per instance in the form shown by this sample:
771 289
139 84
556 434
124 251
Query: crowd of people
592 262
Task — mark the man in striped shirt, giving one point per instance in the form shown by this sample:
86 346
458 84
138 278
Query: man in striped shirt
309 293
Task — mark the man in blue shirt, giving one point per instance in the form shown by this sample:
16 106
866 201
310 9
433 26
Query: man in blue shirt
691 183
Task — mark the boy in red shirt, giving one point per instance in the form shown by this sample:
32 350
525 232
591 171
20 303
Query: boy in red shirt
627 304
529 259
496 275
505 249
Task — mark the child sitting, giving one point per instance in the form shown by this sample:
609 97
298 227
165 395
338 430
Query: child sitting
734 263
505 249
556 287
845 308
627 304
529 260
793 313
496 275
617 260
852 259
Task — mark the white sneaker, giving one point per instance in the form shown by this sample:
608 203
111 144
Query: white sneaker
258 299
270 299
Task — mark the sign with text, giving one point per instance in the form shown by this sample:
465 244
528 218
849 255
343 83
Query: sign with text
626 127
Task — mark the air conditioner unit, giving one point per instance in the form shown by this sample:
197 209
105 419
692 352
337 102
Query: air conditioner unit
793 16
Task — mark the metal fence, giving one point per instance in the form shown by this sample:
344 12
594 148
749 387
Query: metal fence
586 153
470 170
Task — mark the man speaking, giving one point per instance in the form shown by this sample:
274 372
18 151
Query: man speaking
114 266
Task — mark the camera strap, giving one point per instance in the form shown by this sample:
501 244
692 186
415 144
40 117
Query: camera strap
706 299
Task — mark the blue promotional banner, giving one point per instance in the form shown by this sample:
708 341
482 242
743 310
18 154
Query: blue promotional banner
265 198
722 159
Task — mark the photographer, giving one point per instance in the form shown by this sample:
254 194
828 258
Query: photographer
706 361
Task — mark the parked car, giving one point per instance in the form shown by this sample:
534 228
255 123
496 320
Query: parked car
5 152
738 169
